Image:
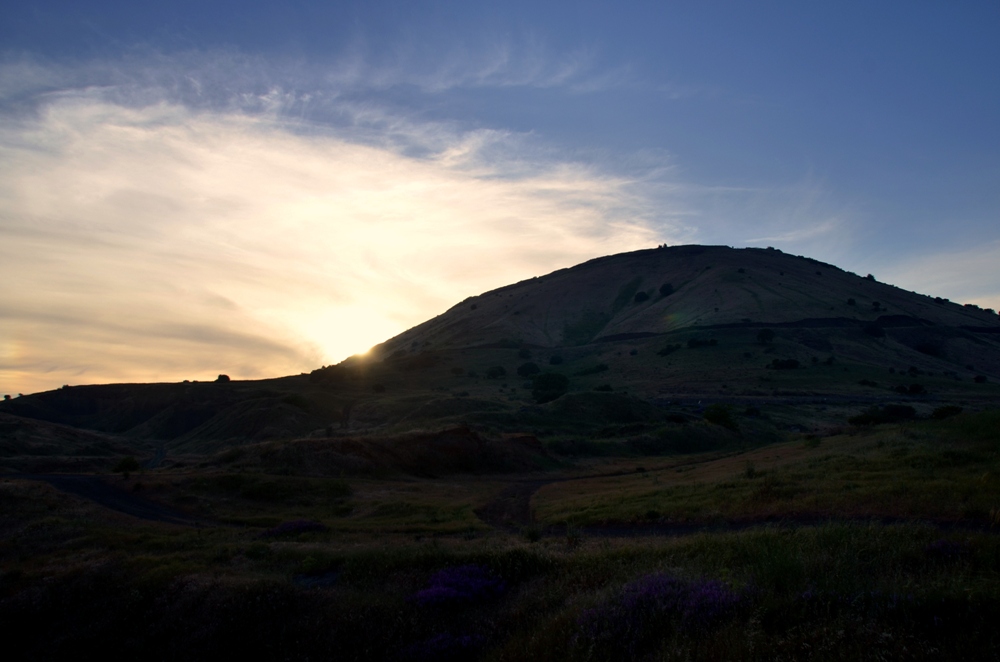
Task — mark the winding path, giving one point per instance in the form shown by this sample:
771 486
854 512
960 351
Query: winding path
96 489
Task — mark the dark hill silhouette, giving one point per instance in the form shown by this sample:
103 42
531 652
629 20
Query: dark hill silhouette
639 338
711 287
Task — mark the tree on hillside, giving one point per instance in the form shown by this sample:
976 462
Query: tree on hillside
765 336
125 466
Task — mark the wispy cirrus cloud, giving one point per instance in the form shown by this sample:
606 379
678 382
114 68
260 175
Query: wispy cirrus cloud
149 237
966 276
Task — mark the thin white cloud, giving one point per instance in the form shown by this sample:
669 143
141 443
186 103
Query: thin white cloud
157 242
965 276
802 218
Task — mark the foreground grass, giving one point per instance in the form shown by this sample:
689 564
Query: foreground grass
79 581
835 591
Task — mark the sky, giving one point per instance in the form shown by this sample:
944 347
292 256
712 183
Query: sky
258 189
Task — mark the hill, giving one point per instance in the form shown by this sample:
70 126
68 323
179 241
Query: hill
634 340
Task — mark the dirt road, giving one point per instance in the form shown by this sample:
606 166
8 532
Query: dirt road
98 490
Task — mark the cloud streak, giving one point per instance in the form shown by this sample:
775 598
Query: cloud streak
965 276
156 241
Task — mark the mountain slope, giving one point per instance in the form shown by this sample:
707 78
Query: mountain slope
633 337
703 287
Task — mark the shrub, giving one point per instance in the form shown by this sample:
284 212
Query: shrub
979 379
457 371
870 277
765 336
555 359
886 414
666 290
946 411
125 466
528 369
640 297
720 415
496 372
222 379
548 386
524 353
669 349
852 302
696 343
784 364
603 387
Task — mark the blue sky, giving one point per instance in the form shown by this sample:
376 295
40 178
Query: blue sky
259 188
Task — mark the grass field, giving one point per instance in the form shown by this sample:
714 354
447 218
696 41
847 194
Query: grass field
866 543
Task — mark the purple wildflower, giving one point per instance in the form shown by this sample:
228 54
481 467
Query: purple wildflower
652 606
465 584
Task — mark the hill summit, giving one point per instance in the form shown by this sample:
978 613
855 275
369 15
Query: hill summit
669 289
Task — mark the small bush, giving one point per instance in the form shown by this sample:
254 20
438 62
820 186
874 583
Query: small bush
784 364
524 353
669 349
720 415
125 466
496 372
852 302
980 379
548 386
697 343
946 411
886 414
603 387
528 369
765 336
222 379
555 359
640 297
666 290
